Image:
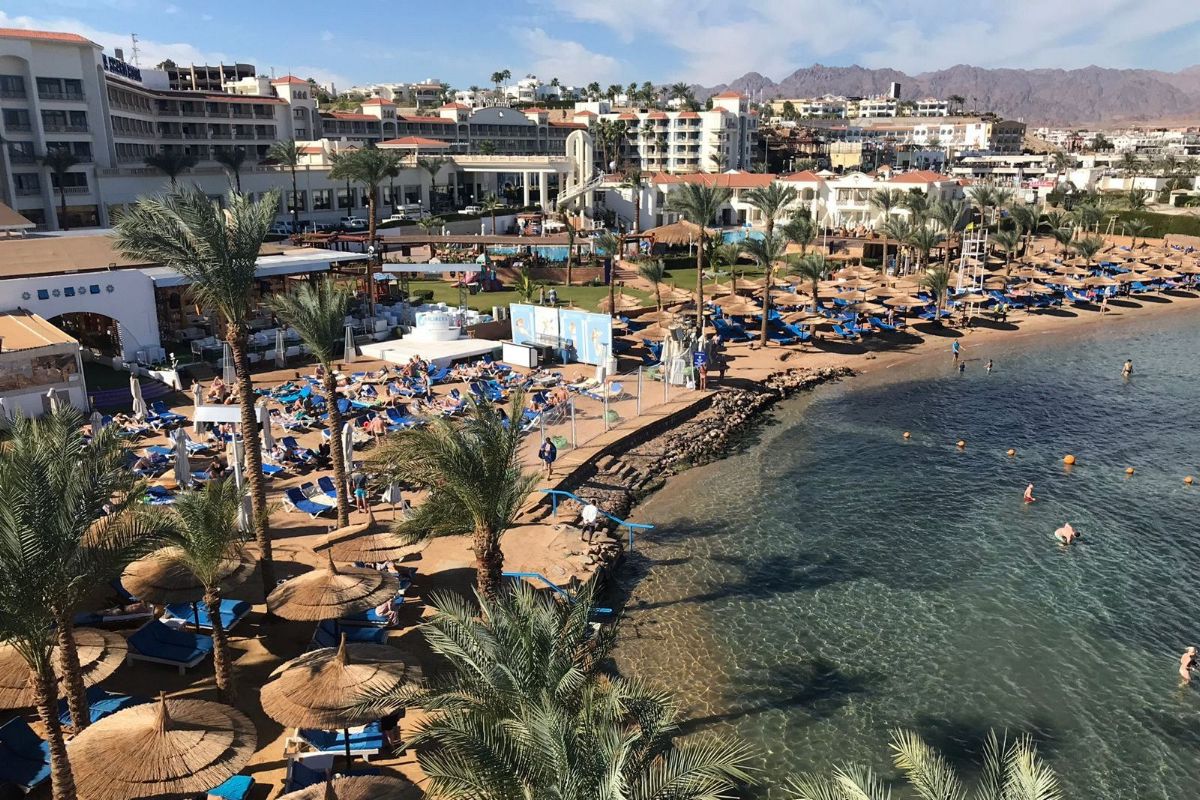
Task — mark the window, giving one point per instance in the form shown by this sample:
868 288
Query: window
21 152
345 199
16 119
322 199
12 86
27 183
295 201
71 180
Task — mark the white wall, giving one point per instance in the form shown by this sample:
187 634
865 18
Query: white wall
31 403
130 301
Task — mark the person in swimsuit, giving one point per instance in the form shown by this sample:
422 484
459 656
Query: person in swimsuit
1187 663
1127 369
1066 534
1029 498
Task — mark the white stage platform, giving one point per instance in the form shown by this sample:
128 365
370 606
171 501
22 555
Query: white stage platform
398 351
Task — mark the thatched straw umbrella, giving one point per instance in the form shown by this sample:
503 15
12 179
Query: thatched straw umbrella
368 542
622 303
160 579
100 653
172 748
326 688
678 233
331 593
356 787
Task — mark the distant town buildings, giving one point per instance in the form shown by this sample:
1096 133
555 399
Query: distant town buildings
193 78
841 107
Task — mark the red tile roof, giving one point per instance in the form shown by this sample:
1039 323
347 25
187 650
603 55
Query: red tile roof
586 114
457 106
440 120
554 123
729 94
44 36
312 150
657 115
536 110
733 180
413 141
688 115
806 176
378 101
352 116
920 176
627 115
288 79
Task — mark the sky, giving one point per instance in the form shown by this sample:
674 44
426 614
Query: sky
618 41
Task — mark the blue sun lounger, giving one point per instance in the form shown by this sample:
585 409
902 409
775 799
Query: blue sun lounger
846 334
329 634
802 336
295 500
24 756
326 485
236 788
366 742
161 644
884 326
100 704
164 415
232 612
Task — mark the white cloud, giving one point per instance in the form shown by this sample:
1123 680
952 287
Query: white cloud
776 36
326 36
206 17
150 51
171 9
569 61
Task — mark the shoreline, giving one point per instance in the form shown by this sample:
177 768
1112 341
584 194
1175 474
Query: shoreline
623 480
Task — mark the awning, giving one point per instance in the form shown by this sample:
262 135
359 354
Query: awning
268 266
433 269
218 414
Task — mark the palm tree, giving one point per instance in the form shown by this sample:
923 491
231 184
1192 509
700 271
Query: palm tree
1063 237
526 675
1086 215
216 250
1063 162
571 232
432 167
1029 220
633 179
883 201
1136 228
699 205
917 204
59 161
232 160
287 153
491 204
950 215
923 239
1008 242
1135 199
801 230
814 268
1010 771
201 533
937 281
474 476
171 163
370 167
78 519
766 252
525 286
655 272
726 254
956 101
611 244
983 196
899 229
1088 247
1131 165
771 201
317 312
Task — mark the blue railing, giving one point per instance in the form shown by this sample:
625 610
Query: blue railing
554 587
631 526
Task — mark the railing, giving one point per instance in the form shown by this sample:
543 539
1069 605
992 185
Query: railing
631 526
18 127
73 189
28 191
12 94
552 586
73 96
56 128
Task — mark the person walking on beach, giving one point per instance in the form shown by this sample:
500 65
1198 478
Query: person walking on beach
1104 305
548 453
1127 370
955 350
1187 662
358 479
703 372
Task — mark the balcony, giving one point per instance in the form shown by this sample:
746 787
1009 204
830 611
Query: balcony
13 94
244 135
71 97
170 135
28 191
56 128
264 114
18 127
21 158
73 189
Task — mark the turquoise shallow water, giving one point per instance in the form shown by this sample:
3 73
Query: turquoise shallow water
833 582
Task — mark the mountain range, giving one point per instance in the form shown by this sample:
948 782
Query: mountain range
1090 95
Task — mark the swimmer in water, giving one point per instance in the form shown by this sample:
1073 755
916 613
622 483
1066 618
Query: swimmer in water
989 367
1127 369
1066 534
1187 663
1029 498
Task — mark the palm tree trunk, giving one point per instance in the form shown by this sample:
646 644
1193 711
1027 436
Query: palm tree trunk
489 562
62 203
612 284
700 284
637 209
62 780
222 661
237 180
883 266
493 222
236 335
295 205
336 452
946 252
374 190
762 338
816 287
68 667
657 297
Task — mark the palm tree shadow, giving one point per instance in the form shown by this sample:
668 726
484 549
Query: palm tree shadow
962 740
816 687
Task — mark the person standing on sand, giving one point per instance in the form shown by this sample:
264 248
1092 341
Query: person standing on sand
1187 662
955 350
548 453
989 367
1104 305
1127 369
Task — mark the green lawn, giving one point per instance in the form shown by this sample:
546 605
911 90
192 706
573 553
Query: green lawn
585 297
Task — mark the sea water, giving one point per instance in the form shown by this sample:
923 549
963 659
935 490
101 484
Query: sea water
834 582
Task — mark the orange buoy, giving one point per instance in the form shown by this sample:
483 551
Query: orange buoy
1011 452
960 444
1068 459
907 435
1129 470
1189 480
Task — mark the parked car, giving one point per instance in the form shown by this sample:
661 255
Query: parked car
353 224
281 228
472 210
404 215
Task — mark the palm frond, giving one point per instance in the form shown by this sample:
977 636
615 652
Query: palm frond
925 768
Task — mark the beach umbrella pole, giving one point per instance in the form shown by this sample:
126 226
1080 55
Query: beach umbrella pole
349 757
196 614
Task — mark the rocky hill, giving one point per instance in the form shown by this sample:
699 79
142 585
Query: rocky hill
1094 95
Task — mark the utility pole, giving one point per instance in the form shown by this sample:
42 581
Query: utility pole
133 51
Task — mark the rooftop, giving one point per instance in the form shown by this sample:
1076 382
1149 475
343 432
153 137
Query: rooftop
728 180
44 36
